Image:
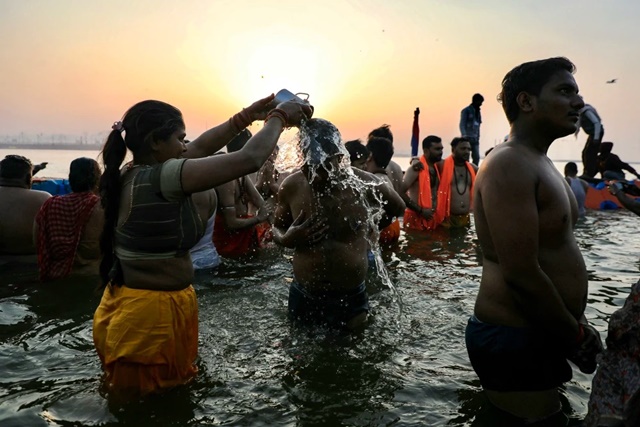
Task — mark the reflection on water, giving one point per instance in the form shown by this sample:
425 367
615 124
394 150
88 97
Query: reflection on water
406 370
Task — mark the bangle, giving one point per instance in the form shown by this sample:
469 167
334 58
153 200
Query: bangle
241 120
580 336
281 114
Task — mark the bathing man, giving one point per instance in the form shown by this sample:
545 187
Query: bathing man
322 213
529 312
421 187
19 205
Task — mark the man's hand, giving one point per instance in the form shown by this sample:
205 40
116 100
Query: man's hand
584 355
39 167
426 213
416 164
305 232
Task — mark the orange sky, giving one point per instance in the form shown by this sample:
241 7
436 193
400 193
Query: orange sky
74 67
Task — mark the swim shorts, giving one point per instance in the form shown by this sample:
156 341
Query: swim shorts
332 308
510 358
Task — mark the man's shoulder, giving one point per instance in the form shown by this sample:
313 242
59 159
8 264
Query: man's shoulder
293 179
394 167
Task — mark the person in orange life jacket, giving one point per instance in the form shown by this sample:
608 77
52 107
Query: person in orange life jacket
380 153
455 191
420 187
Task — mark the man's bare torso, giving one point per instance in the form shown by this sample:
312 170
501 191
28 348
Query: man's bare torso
338 262
558 255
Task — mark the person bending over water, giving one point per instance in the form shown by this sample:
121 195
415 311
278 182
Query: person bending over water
529 312
324 217
146 327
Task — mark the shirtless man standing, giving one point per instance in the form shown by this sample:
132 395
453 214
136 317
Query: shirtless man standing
19 205
322 213
529 313
457 177
421 187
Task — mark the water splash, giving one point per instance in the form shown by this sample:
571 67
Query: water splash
319 146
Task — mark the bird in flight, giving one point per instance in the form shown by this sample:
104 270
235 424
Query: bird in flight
611 81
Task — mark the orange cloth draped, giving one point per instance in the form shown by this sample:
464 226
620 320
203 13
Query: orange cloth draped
61 220
413 219
390 234
443 209
147 340
235 243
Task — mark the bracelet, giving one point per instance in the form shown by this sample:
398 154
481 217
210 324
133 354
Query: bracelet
580 336
241 120
281 114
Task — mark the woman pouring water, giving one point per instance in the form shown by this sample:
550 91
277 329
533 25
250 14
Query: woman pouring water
146 327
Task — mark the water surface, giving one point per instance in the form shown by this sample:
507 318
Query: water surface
408 369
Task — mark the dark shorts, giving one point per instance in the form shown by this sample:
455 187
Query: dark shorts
332 308
515 359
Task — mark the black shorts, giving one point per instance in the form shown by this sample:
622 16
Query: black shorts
507 358
332 308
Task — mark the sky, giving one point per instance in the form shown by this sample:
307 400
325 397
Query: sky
75 66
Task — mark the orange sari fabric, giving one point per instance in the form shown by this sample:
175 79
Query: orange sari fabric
390 234
443 209
235 243
411 218
147 340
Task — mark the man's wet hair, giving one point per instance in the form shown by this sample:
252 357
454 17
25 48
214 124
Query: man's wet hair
429 141
383 131
14 166
571 169
529 77
458 139
357 150
84 175
239 141
319 140
477 98
381 149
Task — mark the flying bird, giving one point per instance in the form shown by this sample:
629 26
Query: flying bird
611 81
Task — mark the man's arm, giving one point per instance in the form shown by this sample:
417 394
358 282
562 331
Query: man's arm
463 122
510 208
226 195
305 229
626 201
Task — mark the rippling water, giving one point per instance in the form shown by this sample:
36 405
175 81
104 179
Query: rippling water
409 367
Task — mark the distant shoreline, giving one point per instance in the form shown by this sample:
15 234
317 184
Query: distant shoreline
52 146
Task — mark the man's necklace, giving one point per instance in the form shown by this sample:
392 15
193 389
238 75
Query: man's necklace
466 182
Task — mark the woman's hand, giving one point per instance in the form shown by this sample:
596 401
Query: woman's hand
259 109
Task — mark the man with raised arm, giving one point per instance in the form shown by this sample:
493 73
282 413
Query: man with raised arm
328 213
529 312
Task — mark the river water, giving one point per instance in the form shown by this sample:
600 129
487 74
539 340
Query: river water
409 367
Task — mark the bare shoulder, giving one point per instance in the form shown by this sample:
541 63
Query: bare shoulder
509 164
394 168
40 195
364 175
292 182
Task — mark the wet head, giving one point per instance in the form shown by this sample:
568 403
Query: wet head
324 155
